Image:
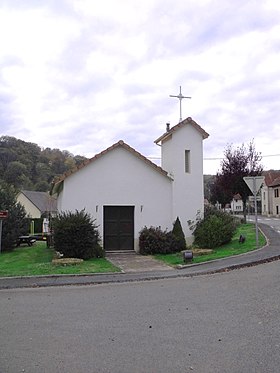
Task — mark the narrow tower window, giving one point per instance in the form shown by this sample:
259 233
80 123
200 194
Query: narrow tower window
187 161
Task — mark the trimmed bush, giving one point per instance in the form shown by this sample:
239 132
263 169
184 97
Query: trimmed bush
76 235
215 229
179 236
155 241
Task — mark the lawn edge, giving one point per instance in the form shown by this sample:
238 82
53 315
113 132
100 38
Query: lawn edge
182 266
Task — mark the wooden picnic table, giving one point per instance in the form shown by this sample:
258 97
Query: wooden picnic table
29 240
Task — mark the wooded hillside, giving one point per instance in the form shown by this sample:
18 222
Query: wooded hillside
27 166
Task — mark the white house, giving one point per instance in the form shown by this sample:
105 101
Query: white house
276 197
236 205
270 193
124 191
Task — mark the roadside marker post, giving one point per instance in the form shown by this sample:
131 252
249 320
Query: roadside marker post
254 183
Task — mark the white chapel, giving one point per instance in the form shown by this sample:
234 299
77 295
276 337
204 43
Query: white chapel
124 191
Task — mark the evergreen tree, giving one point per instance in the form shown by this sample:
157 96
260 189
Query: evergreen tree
178 233
16 224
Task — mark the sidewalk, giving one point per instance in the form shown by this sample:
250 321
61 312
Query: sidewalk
151 271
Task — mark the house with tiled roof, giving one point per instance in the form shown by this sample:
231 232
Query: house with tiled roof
124 191
236 205
270 193
37 204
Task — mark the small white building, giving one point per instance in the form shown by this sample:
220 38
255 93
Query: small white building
124 191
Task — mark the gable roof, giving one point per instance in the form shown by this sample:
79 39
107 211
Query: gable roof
276 182
188 121
42 200
237 197
271 177
120 144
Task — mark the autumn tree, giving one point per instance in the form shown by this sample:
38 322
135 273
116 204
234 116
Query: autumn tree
237 163
25 165
218 194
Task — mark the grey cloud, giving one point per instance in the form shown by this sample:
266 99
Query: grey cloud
69 87
59 7
10 60
6 112
76 86
189 30
74 56
135 90
143 104
7 99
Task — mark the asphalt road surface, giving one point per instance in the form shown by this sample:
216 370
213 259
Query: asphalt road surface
224 323
272 222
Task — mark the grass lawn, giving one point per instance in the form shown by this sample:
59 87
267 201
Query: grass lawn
36 260
232 248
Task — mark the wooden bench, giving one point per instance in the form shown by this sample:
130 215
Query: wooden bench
29 240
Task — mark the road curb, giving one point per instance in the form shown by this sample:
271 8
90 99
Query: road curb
266 254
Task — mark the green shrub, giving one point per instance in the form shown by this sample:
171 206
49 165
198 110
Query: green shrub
215 229
76 235
16 224
155 241
151 240
179 236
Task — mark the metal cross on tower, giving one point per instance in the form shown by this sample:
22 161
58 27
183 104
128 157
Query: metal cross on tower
180 97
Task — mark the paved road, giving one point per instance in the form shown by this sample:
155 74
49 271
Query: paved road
223 323
272 222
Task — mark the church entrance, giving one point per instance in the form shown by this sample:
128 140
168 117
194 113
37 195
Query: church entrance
118 228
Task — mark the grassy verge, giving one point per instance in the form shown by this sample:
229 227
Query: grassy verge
36 260
230 249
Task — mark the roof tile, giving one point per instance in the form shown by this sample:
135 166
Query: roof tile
186 121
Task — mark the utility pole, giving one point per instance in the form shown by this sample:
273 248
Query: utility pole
254 183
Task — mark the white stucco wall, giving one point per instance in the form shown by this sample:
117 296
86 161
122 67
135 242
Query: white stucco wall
236 205
119 178
188 195
276 201
265 200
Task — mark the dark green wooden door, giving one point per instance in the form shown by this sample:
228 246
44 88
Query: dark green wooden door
118 228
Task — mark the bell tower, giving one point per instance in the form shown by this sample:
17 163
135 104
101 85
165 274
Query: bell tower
182 158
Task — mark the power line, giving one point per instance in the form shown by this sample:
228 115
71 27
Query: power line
271 155
219 158
263 156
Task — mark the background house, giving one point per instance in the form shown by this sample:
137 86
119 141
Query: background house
37 204
236 205
124 191
275 186
270 193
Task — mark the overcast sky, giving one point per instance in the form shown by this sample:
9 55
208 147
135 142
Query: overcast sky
80 75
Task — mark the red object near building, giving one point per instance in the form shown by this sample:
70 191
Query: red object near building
4 214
